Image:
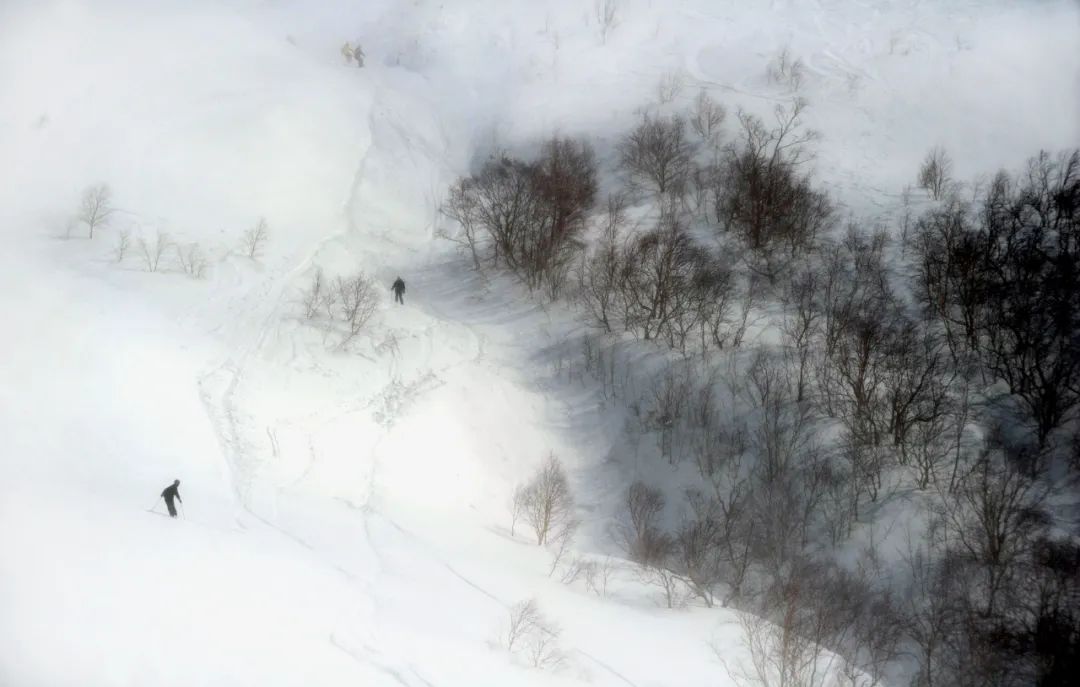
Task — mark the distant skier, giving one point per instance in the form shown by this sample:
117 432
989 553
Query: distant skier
399 291
172 492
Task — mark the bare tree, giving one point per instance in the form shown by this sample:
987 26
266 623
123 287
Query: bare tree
669 86
786 70
662 574
528 631
669 393
644 541
95 208
255 238
318 297
933 614
607 16
565 183
153 251
192 260
562 538
994 517
884 371
531 212
657 154
699 549
782 436
780 655
524 616
601 273
546 500
669 286
760 193
123 243
461 205
358 299
598 576
706 119
935 173
542 648
801 326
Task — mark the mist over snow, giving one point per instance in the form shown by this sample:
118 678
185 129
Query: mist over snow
348 496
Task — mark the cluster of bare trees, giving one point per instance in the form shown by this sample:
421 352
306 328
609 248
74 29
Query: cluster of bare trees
660 284
345 304
96 210
905 363
527 215
891 362
994 597
1000 278
664 284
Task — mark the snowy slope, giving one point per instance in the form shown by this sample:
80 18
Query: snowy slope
347 511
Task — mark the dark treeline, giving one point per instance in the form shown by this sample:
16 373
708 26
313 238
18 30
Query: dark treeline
938 363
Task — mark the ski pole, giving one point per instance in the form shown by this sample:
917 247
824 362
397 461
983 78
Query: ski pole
151 508
182 510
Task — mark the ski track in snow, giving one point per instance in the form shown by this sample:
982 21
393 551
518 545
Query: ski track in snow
223 409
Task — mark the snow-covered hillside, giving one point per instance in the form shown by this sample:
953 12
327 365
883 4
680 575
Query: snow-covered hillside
347 509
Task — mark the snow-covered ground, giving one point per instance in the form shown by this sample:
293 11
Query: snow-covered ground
347 511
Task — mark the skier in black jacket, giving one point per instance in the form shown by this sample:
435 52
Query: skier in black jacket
172 492
399 290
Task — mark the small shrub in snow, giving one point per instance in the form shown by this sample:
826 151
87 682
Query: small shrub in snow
152 251
357 299
255 238
667 580
786 70
123 243
670 86
192 260
528 632
95 208
524 615
345 304
316 297
607 17
542 647
598 576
